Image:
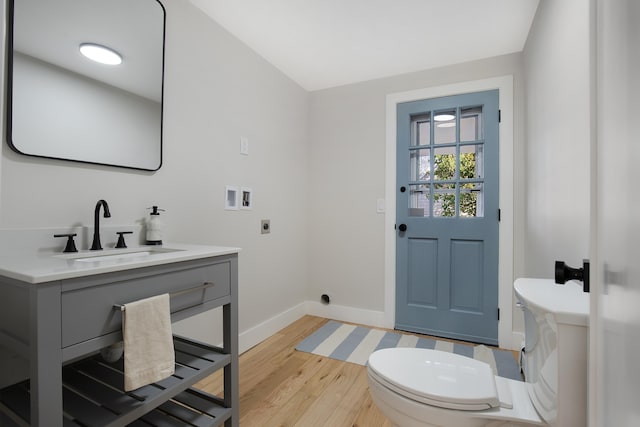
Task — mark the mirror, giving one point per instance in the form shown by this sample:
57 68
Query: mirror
62 105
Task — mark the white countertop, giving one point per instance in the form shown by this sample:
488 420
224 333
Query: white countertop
567 303
47 266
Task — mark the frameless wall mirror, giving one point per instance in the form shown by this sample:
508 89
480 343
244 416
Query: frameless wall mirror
64 105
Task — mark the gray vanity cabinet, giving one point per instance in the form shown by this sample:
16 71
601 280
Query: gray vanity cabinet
56 330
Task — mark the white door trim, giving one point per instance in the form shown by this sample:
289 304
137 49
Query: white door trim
504 84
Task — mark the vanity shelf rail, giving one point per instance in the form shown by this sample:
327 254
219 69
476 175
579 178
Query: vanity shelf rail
202 287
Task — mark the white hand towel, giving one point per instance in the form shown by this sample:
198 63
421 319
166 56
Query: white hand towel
148 342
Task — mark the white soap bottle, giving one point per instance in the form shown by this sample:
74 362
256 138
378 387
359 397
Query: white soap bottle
154 227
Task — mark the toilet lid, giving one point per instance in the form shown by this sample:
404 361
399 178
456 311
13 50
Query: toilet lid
436 378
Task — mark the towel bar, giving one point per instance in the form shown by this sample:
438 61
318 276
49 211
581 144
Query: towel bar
204 286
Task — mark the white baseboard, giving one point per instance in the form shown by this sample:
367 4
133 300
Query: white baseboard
256 334
346 314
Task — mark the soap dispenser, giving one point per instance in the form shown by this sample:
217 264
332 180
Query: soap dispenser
154 227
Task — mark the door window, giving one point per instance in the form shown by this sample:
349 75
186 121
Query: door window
446 156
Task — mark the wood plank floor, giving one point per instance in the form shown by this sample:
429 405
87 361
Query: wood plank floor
280 386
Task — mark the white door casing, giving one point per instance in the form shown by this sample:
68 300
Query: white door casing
506 337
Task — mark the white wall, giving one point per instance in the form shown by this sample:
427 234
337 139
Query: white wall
316 165
347 175
556 59
216 90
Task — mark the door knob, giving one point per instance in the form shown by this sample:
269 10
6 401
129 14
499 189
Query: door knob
402 227
565 273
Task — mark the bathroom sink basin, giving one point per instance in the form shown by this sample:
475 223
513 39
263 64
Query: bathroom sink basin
120 255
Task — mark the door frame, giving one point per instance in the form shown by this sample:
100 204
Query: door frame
507 338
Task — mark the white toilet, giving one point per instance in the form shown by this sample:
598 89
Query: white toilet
421 387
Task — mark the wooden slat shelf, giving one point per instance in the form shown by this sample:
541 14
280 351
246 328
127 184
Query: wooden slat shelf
93 396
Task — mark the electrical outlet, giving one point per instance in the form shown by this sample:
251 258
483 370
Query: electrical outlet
265 226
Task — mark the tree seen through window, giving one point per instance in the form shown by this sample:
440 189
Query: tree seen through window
445 169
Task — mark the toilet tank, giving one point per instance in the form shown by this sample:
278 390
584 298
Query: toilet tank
543 302
556 322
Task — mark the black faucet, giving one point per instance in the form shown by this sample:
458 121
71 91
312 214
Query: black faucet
96 246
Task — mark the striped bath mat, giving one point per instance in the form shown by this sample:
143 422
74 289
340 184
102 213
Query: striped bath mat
354 344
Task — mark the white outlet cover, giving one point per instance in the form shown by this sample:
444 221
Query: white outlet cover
244 145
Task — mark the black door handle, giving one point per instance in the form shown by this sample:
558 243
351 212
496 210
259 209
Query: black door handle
565 273
402 227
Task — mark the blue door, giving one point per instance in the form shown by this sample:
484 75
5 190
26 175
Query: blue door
447 217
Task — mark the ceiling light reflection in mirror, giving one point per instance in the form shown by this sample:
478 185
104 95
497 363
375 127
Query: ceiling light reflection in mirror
100 54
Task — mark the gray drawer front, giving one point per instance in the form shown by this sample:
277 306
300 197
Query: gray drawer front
87 312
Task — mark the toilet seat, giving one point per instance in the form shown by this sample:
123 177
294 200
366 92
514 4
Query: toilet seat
445 380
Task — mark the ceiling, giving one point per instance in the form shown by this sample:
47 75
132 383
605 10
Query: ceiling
326 43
